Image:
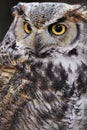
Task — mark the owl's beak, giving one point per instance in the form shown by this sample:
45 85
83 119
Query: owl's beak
39 46
38 43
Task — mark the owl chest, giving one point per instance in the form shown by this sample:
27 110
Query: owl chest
55 104
39 114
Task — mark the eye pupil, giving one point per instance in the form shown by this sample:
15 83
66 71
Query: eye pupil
28 27
58 28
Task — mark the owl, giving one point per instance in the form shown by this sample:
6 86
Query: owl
43 68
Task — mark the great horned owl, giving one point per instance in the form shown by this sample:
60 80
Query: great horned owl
43 68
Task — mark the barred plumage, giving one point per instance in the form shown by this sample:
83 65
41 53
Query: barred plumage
43 68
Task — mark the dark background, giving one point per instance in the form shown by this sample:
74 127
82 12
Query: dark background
5 12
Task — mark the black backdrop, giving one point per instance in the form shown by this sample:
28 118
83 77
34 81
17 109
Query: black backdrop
5 12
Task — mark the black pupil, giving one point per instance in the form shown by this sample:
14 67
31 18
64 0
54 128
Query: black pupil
58 28
29 27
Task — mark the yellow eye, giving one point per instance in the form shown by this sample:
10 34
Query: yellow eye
58 29
27 28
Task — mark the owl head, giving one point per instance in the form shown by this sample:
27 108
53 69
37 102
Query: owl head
46 29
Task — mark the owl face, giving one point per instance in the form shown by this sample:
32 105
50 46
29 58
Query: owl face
44 27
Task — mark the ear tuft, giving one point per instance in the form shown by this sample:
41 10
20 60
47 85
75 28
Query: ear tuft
78 14
18 10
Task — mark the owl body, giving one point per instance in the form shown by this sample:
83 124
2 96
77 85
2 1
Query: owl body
43 68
